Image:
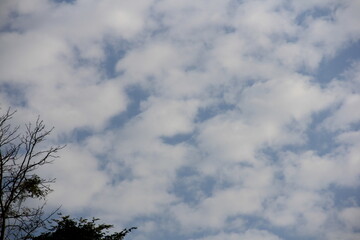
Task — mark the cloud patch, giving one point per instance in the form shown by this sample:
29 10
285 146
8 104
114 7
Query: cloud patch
194 120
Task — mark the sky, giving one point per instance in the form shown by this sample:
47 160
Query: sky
194 119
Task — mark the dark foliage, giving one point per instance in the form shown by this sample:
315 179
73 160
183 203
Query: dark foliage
82 229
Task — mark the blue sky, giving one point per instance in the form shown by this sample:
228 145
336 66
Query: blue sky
194 120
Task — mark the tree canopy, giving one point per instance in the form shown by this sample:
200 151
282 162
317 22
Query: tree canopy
67 228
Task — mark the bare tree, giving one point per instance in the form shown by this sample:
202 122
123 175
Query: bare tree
20 156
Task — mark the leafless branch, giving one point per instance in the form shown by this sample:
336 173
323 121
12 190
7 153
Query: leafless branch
20 156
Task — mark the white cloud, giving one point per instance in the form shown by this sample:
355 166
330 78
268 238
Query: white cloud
27 55
347 90
272 113
78 179
40 56
235 77
251 234
87 106
306 210
351 217
311 171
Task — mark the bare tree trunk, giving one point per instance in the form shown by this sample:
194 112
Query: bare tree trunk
2 215
3 226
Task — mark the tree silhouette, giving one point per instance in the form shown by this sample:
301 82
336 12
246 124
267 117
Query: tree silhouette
82 229
20 156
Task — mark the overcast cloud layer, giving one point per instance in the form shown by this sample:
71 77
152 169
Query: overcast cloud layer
195 119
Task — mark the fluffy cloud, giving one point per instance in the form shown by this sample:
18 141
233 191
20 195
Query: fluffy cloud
220 138
250 234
